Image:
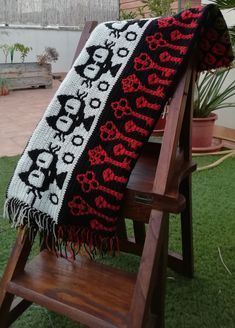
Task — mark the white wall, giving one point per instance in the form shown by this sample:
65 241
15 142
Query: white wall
64 41
226 116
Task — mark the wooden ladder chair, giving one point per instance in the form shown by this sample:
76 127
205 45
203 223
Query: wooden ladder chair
101 296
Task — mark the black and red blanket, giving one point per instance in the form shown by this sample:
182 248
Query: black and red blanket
70 180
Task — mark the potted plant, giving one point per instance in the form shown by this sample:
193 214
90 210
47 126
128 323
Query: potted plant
27 74
213 92
24 50
49 55
6 49
10 49
4 87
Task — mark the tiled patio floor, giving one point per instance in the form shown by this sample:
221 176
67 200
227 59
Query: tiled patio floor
20 112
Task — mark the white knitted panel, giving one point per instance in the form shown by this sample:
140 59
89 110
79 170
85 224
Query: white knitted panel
44 135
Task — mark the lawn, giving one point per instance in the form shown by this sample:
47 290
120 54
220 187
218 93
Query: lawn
206 301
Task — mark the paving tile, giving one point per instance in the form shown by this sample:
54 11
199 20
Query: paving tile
20 112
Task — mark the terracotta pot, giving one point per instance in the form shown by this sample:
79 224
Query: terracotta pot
4 91
202 131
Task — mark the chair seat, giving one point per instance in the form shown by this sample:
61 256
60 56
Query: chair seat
143 174
139 192
85 291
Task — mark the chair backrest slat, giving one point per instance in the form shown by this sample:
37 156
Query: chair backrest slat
172 133
88 28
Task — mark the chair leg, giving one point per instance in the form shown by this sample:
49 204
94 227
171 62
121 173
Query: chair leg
149 293
139 232
186 228
158 297
183 264
9 311
185 144
5 309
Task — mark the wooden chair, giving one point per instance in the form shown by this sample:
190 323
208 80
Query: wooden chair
99 295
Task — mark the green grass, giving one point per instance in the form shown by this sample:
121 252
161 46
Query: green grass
206 301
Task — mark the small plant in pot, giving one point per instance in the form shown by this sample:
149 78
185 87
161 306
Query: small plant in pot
49 55
4 87
213 92
24 50
27 74
11 49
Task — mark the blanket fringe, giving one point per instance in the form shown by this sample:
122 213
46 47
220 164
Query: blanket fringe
65 241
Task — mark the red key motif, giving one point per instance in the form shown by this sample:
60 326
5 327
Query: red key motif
88 183
79 207
96 225
120 150
132 84
98 156
102 203
109 175
210 59
204 44
222 62
144 62
172 22
156 41
154 79
109 132
130 126
166 57
188 14
177 35
122 108
142 102
219 49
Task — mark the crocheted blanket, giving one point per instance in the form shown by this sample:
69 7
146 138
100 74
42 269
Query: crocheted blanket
70 180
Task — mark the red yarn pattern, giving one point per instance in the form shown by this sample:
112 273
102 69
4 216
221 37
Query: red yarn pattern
134 106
